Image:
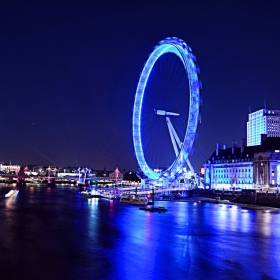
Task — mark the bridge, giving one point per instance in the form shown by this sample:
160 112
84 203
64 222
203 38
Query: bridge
154 190
72 177
182 191
118 188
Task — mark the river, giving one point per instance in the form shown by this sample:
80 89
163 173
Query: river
53 233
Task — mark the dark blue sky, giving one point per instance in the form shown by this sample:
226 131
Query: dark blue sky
69 71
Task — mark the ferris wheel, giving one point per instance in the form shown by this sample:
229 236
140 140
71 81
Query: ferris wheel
181 139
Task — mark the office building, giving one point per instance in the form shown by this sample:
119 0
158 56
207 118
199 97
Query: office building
265 122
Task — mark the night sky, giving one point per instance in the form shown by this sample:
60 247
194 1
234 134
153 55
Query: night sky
69 72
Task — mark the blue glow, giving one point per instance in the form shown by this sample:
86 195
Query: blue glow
183 51
278 174
228 176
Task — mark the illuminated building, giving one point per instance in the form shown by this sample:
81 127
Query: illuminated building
244 167
8 168
262 122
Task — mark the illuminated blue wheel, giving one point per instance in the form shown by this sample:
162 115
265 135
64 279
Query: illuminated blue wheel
182 145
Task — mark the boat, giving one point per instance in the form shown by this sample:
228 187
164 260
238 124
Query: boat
86 194
107 195
134 199
158 209
11 193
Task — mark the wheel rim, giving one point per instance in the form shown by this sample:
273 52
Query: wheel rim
183 51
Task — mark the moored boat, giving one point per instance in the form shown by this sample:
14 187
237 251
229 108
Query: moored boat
86 194
134 199
11 193
159 209
107 195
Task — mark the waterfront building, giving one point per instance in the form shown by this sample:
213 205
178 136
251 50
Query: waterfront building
263 121
245 166
9 168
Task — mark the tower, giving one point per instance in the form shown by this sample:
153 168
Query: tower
263 121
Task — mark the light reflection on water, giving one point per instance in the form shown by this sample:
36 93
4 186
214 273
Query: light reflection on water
71 237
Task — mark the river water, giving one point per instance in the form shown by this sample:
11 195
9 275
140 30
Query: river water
53 233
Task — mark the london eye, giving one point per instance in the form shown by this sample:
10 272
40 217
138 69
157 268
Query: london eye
166 112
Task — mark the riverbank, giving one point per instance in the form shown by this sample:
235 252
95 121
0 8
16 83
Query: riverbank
202 199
